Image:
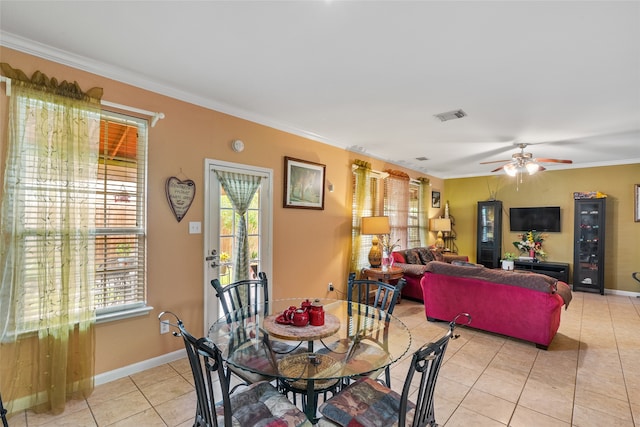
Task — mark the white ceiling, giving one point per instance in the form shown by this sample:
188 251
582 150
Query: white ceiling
369 76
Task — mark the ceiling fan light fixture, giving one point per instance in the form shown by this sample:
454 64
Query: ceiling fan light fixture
511 169
532 167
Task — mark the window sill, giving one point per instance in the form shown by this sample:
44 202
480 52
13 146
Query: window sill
123 314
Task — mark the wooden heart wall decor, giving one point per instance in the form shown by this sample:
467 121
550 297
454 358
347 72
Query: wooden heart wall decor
180 195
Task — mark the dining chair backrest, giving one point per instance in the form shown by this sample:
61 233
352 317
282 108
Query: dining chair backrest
383 296
206 364
424 369
243 296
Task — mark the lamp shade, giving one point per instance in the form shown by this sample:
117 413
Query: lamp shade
441 224
375 225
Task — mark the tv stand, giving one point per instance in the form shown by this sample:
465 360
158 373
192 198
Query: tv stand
558 270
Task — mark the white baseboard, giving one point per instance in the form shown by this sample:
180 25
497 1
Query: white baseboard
125 371
622 293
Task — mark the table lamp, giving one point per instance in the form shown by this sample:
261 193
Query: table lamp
440 225
375 226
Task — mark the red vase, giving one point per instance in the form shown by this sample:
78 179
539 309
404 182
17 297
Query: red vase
532 253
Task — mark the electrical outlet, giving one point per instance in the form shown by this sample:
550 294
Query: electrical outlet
330 287
164 326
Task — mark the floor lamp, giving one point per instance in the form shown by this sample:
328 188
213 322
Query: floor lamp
375 226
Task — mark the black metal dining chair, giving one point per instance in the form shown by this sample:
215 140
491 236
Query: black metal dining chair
3 414
260 404
247 298
380 295
366 402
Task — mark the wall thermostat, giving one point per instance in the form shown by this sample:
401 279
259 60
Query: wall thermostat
237 145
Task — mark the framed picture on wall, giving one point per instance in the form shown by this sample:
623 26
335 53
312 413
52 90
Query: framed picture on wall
303 184
435 199
636 203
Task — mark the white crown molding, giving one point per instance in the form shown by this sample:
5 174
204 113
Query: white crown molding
49 53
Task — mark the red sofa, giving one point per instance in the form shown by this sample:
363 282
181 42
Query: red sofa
414 263
520 305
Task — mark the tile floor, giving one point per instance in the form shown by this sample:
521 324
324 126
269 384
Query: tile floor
590 376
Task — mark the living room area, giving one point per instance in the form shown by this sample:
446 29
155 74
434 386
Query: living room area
588 374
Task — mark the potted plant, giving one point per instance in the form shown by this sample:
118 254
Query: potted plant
508 261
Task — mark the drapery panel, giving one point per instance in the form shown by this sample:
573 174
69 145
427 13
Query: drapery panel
397 206
47 315
240 188
425 200
363 200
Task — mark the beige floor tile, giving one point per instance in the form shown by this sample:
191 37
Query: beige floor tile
148 418
153 375
178 410
615 408
464 417
546 399
489 405
112 390
181 366
588 417
72 407
82 418
525 417
18 420
119 408
502 387
166 390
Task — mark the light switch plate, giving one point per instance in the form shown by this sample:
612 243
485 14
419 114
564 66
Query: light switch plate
194 227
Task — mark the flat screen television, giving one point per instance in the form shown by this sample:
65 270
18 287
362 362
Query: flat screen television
545 218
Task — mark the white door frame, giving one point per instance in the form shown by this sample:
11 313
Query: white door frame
212 222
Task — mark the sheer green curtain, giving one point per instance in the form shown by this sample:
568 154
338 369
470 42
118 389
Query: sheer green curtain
361 207
240 188
47 315
425 200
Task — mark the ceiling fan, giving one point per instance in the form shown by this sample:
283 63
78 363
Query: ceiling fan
522 161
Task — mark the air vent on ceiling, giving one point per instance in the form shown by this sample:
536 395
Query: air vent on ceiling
422 158
451 115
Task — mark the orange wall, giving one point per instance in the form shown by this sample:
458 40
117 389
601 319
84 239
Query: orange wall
310 247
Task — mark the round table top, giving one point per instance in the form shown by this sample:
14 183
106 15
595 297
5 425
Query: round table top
301 333
356 339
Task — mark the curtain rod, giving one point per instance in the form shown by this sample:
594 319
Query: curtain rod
155 116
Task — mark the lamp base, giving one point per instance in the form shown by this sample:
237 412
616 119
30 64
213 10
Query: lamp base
375 255
439 241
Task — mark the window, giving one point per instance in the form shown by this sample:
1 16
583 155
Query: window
118 197
121 214
228 226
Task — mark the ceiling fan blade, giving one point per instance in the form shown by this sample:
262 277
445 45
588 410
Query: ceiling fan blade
552 160
541 168
495 161
497 169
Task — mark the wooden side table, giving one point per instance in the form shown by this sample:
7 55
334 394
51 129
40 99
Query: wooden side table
391 275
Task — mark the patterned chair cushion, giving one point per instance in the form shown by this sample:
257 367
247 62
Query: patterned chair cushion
366 402
261 404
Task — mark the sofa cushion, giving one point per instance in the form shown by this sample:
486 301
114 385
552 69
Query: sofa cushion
398 256
538 282
426 255
413 257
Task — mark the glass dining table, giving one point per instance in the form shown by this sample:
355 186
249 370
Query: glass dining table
355 340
